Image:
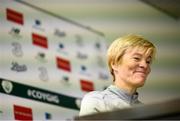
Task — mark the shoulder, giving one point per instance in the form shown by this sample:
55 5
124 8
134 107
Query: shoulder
94 94
97 95
97 98
100 95
91 103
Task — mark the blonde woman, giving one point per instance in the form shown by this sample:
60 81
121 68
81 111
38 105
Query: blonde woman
129 60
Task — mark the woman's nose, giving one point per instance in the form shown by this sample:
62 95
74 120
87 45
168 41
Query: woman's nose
143 64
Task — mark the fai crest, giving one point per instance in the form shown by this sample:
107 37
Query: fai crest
7 86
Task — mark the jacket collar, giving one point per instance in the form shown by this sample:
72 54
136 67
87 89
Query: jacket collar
123 94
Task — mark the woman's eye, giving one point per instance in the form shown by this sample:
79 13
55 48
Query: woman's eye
148 61
136 58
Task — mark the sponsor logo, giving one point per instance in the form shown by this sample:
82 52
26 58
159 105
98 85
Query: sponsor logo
59 33
15 32
86 85
17 49
14 16
43 96
98 46
48 116
65 81
41 57
7 86
38 25
61 49
83 68
43 74
22 113
79 40
61 46
63 64
81 56
18 68
84 71
39 40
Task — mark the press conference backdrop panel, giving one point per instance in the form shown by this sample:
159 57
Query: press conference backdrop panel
47 63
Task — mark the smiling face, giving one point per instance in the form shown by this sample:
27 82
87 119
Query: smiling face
134 68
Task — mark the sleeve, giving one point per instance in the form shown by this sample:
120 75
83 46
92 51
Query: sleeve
90 104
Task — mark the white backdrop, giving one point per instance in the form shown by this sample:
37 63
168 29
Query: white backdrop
47 63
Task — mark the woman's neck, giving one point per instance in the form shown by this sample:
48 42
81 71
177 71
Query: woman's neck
129 89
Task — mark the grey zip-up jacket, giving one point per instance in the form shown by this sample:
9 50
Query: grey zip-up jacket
110 99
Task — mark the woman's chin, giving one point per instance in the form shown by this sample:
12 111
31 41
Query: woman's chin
140 82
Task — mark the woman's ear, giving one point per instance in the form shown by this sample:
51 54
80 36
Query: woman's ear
114 67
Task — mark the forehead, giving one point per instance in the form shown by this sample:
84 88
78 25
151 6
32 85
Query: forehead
143 51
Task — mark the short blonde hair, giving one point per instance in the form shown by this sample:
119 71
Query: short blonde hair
118 47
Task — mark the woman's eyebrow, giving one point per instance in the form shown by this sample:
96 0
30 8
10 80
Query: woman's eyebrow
138 54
